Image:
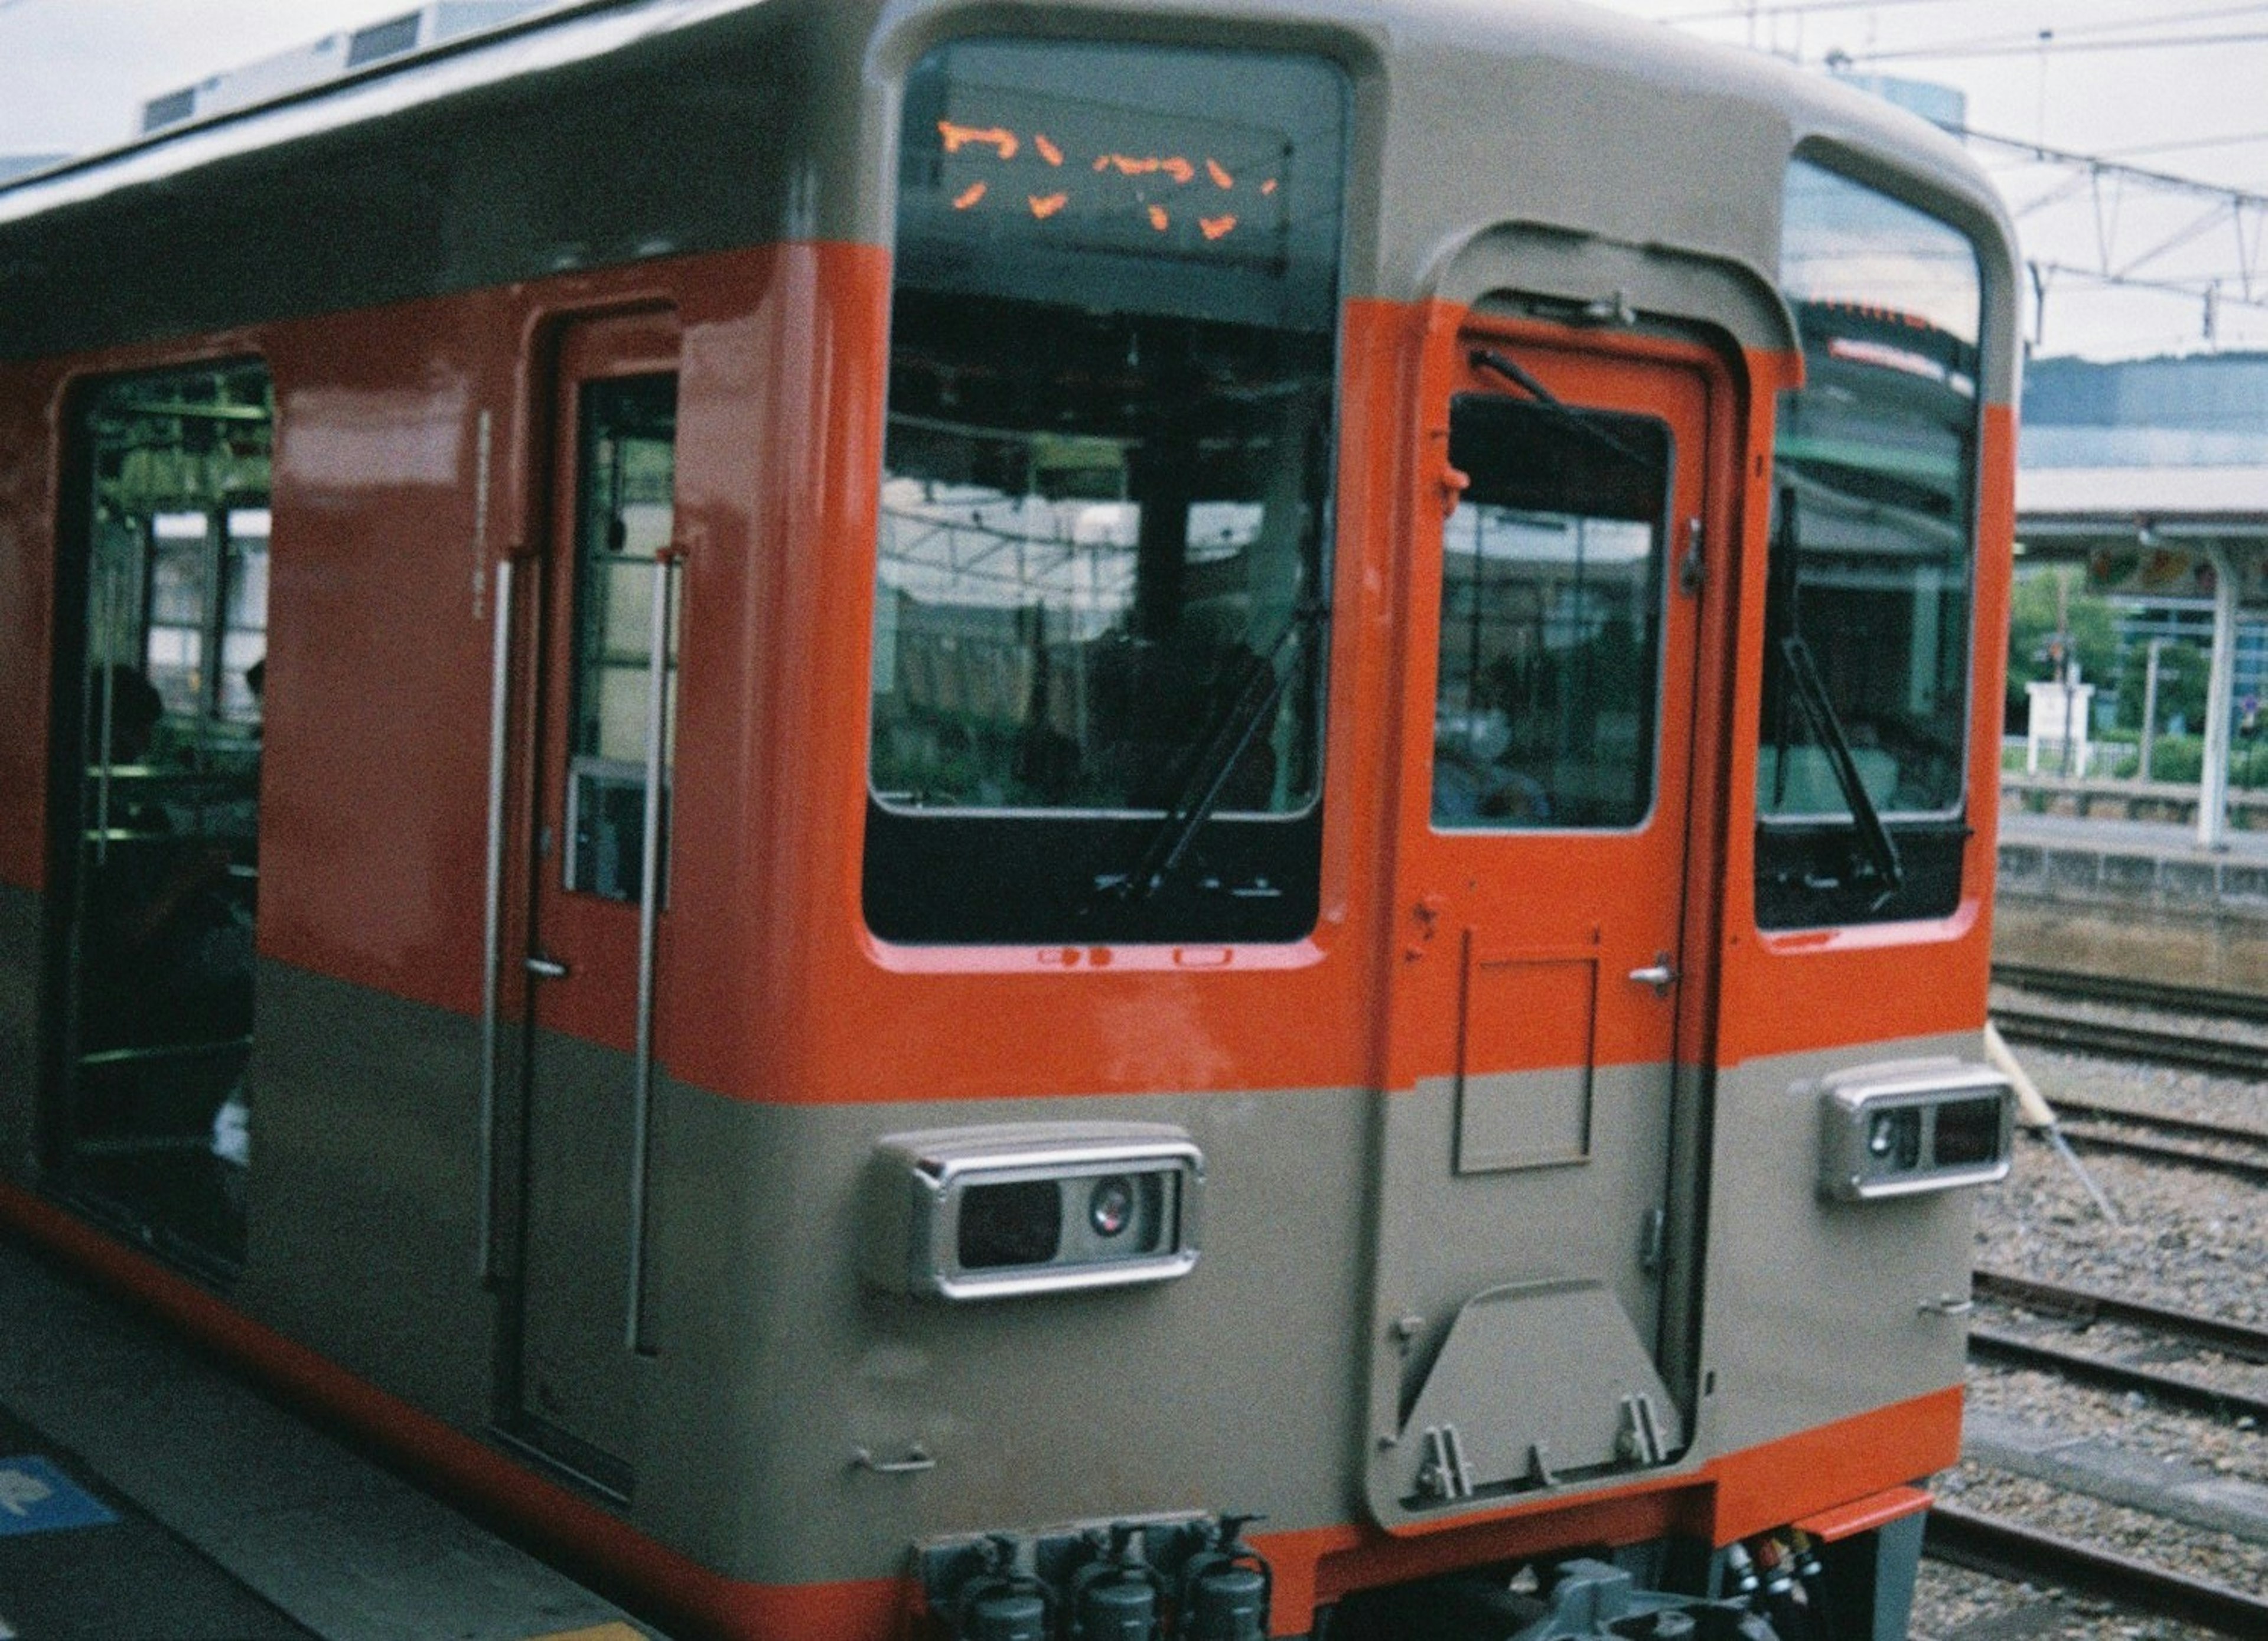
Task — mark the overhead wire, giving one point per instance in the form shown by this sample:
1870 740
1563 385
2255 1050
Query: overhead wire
2028 41
2054 45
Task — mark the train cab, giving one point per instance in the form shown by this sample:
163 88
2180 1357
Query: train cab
891 804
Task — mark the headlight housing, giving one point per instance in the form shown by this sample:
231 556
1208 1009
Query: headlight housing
1018 1208
1918 1125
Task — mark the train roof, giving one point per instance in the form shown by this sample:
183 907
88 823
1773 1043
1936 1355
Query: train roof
614 130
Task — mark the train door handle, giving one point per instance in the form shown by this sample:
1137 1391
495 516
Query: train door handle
547 969
1659 974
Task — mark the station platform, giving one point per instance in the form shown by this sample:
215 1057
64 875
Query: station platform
2132 897
149 1494
2153 864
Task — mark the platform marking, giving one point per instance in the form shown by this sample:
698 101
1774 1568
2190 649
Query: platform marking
602 1632
37 1498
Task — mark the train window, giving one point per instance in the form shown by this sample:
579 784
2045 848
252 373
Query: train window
166 543
1551 595
625 509
1863 742
1097 693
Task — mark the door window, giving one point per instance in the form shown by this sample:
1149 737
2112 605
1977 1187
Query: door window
624 512
1551 596
155 1115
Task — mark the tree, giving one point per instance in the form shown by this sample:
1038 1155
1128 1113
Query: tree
2089 626
2181 669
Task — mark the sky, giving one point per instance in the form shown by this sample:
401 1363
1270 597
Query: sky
2172 86
2167 85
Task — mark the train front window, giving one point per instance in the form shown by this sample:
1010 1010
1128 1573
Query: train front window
1098 700
1863 742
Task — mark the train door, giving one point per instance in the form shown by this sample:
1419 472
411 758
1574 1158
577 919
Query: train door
599 909
1526 1203
163 594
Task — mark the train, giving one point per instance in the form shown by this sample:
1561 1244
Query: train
1153 818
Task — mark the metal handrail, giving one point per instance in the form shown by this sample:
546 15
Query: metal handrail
492 941
665 568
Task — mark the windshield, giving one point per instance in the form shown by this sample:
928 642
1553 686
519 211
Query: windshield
1105 492
1867 641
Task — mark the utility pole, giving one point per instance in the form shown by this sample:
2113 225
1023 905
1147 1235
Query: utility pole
2149 707
2064 662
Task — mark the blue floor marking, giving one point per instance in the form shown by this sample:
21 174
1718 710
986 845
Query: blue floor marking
37 1498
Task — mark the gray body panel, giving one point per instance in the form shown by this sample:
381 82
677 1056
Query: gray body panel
735 122
577 1371
1814 1312
1240 1386
1446 1237
361 1221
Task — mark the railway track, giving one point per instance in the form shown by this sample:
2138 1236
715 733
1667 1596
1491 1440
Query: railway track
2025 1555
2084 1308
2020 1551
2149 994
2186 1050
2186 1141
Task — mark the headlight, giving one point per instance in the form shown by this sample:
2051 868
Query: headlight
1921 1125
1019 1208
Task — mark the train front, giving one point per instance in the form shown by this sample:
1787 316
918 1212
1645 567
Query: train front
1427 827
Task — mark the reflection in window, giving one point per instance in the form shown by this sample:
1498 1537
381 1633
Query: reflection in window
625 509
1101 555
1551 591
1867 623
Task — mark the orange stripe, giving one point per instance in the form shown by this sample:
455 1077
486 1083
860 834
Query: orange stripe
1832 1527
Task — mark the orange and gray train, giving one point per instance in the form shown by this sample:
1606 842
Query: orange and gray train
896 805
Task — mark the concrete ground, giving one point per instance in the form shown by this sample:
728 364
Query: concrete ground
148 1494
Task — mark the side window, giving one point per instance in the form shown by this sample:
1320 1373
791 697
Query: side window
1098 699
1863 746
1551 595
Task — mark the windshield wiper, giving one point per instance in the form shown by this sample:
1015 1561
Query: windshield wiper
1801 669
1523 379
1254 706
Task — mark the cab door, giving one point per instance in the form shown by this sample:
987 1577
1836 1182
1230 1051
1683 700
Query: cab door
1543 870
598 921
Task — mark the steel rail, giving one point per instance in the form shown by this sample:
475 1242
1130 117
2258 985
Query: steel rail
2009 1549
2102 1373
2129 1042
2250 1169
2165 1122
2086 1306
2123 989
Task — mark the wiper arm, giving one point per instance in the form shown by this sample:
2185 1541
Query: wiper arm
1882 850
1521 377
1801 669
1209 772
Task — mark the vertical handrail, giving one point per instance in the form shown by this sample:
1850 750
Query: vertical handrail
492 938
109 693
665 566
